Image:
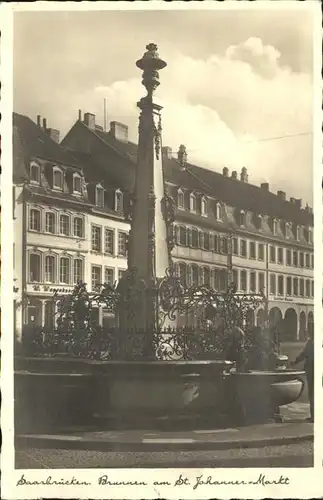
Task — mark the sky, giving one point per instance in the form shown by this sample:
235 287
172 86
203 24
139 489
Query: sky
235 81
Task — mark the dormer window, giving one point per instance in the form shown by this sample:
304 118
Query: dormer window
192 202
298 233
284 228
219 211
118 201
77 184
274 225
242 218
58 178
204 206
35 173
258 221
99 196
310 235
180 199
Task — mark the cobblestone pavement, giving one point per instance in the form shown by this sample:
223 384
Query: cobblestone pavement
295 455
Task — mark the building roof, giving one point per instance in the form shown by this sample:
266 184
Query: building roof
35 142
231 191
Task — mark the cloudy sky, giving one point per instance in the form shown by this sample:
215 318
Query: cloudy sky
235 82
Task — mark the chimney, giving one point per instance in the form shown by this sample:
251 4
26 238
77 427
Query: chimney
80 115
225 172
298 203
244 175
234 175
182 156
265 186
281 195
292 201
119 131
167 152
53 134
89 120
44 124
38 121
308 209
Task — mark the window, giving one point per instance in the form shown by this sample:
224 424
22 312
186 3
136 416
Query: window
224 245
206 241
258 221
99 196
280 255
252 250
34 220
308 288
217 243
242 218
243 280
109 241
180 199
288 258
182 236
312 261
109 275
182 273
295 258
288 285
243 248
261 282
96 280
201 240
35 173
64 270
312 288
274 226
307 260
122 243
195 274
301 259
252 282
280 285
50 222
235 278
215 279
310 235
272 253
273 284
34 268
261 251
235 246
295 287
78 227
118 201
49 269
77 184
64 225
192 202
96 238
195 238
301 287
222 280
284 228
298 233
206 276
58 179
219 211
77 271
121 273
204 206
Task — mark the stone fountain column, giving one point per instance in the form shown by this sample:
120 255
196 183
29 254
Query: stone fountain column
148 244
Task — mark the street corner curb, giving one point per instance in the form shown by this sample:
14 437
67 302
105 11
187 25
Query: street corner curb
72 443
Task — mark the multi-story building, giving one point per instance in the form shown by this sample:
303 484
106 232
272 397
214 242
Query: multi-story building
224 225
68 228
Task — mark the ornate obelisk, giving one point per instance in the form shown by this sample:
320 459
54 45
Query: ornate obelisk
148 249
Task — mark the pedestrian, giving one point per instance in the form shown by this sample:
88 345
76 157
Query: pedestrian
307 355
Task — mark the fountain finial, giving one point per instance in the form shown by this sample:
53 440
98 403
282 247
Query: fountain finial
151 63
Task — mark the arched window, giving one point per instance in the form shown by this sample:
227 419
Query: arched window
195 274
242 218
204 206
180 199
206 241
58 178
77 184
182 236
35 173
50 222
64 224
206 276
34 267
118 205
64 270
77 271
78 227
274 226
50 269
192 202
99 196
219 211
195 238
34 219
